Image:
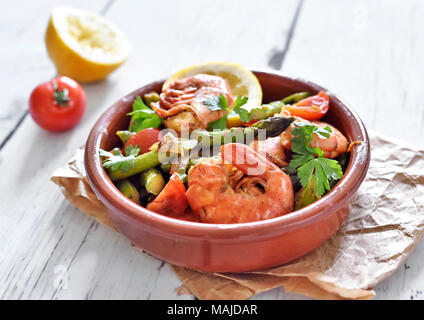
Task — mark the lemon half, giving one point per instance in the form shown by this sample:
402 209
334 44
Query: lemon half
84 45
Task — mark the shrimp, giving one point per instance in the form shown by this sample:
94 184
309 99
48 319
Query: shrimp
182 103
242 187
272 149
333 146
275 149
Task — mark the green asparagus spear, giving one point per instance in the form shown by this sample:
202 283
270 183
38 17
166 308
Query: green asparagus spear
209 138
151 97
274 125
142 162
153 181
124 135
295 97
129 190
264 111
279 104
307 195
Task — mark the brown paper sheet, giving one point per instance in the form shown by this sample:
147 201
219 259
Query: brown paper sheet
386 222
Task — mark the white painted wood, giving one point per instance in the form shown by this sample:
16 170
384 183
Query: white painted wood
370 53
23 58
49 250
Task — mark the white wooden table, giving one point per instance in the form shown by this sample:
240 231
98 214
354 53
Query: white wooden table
369 52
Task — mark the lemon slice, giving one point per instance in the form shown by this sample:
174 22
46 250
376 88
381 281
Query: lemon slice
242 82
84 45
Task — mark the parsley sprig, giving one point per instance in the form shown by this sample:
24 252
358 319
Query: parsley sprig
115 160
238 109
216 103
143 117
313 170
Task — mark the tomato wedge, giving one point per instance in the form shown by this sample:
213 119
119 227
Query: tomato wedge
172 200
144 139
311 108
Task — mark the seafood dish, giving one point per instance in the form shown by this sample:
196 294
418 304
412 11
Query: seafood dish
200 152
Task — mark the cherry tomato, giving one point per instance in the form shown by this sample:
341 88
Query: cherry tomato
144 139
57 105
311 108
172 200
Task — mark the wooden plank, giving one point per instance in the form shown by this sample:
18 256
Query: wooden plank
369 53
50 250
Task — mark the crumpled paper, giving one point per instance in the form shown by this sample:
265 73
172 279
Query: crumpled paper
385 224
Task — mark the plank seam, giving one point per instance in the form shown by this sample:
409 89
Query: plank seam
14 129
277 59
76 254
106 7
23 116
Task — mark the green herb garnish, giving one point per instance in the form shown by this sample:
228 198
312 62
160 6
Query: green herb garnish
219 124
115 160
312 167
143 117
242 112
216 103
220 103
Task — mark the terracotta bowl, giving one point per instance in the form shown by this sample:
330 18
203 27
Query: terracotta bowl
234 247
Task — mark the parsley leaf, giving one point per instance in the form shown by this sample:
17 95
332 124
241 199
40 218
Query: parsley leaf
115 160
138 104
311 166
216 103
131 150
219 124
300 159
143 117
243 113
240 101
220 103
303 136
325 170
